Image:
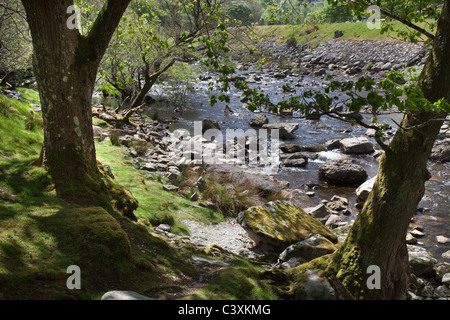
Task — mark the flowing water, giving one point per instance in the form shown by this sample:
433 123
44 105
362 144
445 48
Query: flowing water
435 216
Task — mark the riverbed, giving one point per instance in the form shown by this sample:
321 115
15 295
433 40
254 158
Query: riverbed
433 214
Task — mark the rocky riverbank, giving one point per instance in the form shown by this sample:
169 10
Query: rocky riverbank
150 145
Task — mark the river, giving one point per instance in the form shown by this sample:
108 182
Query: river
433 216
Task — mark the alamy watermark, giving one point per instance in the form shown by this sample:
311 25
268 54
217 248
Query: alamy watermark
374 21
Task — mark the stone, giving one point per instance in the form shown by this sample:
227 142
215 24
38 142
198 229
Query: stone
209 124
338 34
163 228
410 239
289 127
342 174
149 167
441 151
259 121
421 263
332 221
318 212
446 254
124 295
301 162
207 204
228 111
194 196
169 187
416 233
446 279
278 224
363 190
208 261
314 246
200 183
442 239
357 145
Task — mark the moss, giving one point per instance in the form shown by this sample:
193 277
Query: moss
283 222
240 282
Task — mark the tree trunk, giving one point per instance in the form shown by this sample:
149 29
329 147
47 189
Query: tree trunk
65 65
379 232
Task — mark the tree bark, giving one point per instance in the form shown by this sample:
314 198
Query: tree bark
65 65
379 232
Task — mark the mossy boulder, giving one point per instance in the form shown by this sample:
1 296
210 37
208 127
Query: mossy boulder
279 224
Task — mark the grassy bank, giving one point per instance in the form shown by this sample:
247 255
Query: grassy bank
41 236
314 37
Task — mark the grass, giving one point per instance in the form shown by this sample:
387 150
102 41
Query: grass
40 236
303 34
155 204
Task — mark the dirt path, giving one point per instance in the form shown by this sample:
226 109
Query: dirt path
229 235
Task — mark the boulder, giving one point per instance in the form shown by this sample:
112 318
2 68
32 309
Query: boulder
297 163
342 174
314 246
363 190
209 124
441 151
357 145
319 212
259 121
279 224
338 34
289 127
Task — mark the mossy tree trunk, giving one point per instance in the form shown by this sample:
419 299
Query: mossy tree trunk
65 64
379 232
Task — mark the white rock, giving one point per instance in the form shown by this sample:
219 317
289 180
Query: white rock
124 295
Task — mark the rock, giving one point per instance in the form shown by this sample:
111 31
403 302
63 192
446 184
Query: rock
228 111
163 228
209 124
358 145
149 167
332 221
210 262
332 144
417 234
299 198
200 183
421 263
319 212
442 239
169 187
338 34
124 295
446 254
314 246
310 193
279 224
441 151
363 190
298 163
446 279
259 121
207 204
194 196
289 127
342 174
317 287
410 239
